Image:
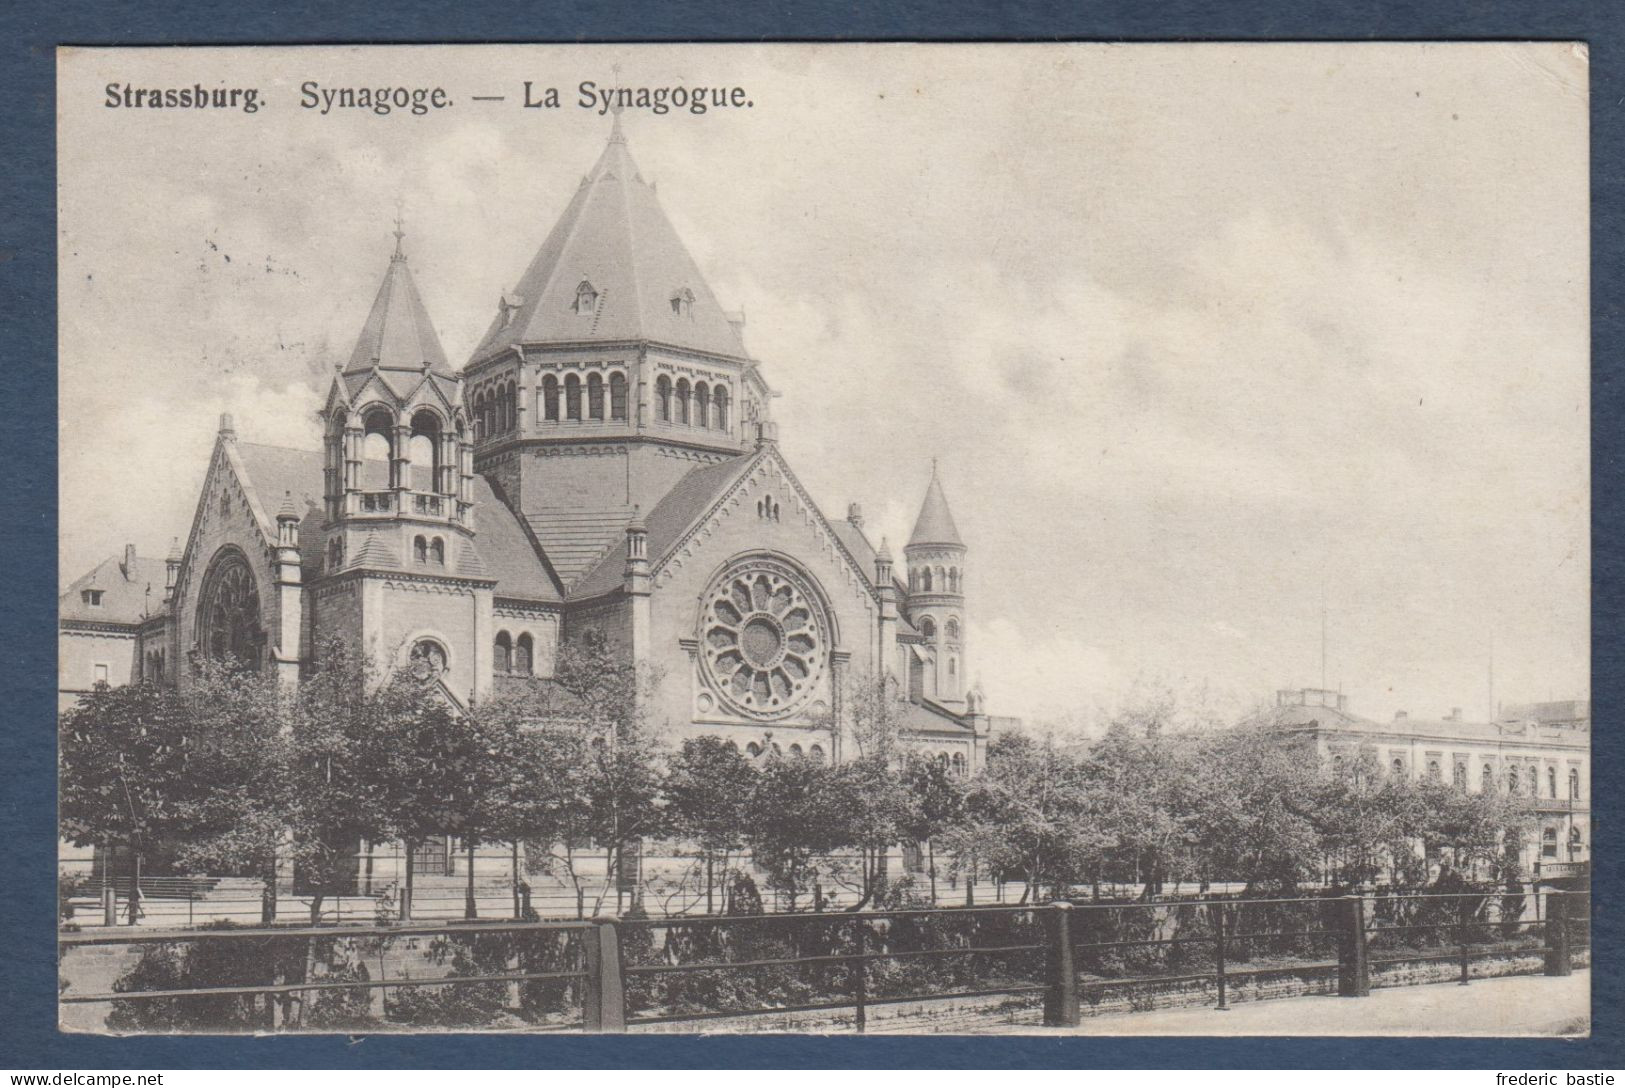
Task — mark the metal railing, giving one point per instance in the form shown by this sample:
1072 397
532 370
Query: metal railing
610 974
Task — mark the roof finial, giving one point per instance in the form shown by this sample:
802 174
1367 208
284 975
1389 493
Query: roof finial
616 136
400 231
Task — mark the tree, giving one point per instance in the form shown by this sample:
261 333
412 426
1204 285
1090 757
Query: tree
936 803
598 698
1254 795
796 813
238 817
125 775
1033 811
708 786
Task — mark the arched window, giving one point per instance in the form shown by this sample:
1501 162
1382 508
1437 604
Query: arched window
428 659
228 620
816 753
753 749
1433 770
1512 780
682 400
479 419
952 628
1551 782
377 451
942 579
424 452
928 627
1548 842
420 549
503 658
1398 767
913 581
719 404
595 396
1459 777
1574 783
953 579
1576 844
953 667
959 765
550 398
925 580
523 656
732 746
663 399
1486 781
437 552
1337 765
702 405
617 395
572 396
795 750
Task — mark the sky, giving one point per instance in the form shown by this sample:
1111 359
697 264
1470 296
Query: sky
1216 345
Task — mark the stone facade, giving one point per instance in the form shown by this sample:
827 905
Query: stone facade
606 461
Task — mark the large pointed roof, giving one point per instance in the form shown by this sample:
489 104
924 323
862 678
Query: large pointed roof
398 334
613 268
935 525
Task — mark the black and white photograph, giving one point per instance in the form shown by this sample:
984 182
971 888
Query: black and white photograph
980 539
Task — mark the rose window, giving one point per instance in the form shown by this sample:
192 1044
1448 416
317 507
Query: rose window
762 640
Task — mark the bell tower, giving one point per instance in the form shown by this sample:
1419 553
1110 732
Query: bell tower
398 469
936 560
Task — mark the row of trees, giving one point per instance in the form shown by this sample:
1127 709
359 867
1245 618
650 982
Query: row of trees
239 775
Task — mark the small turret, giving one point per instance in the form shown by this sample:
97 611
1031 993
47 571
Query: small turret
936 558
172 568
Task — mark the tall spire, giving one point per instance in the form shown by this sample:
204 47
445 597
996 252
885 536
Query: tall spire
935 525
398 334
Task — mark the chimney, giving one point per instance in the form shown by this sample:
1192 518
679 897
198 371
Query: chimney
1455 714
128 566
854 515
227 429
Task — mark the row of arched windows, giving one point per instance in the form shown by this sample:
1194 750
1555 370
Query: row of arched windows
934 580
515 656
378 455
928 628
426 551
574 399
496 411
814 752
1516 781
699 405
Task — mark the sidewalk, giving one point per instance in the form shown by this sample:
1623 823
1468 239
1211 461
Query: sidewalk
1521 1005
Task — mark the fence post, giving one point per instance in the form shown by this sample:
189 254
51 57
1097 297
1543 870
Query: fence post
1218 952
1061 999
1353 973
1557 934
860 976
604 997
109 898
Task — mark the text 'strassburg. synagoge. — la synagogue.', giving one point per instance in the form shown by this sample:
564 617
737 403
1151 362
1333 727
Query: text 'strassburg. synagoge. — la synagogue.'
605 462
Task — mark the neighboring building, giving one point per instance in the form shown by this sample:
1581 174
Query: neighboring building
1540 752
606 461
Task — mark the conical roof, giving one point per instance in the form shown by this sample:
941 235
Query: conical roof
613 268
398 334
935 525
